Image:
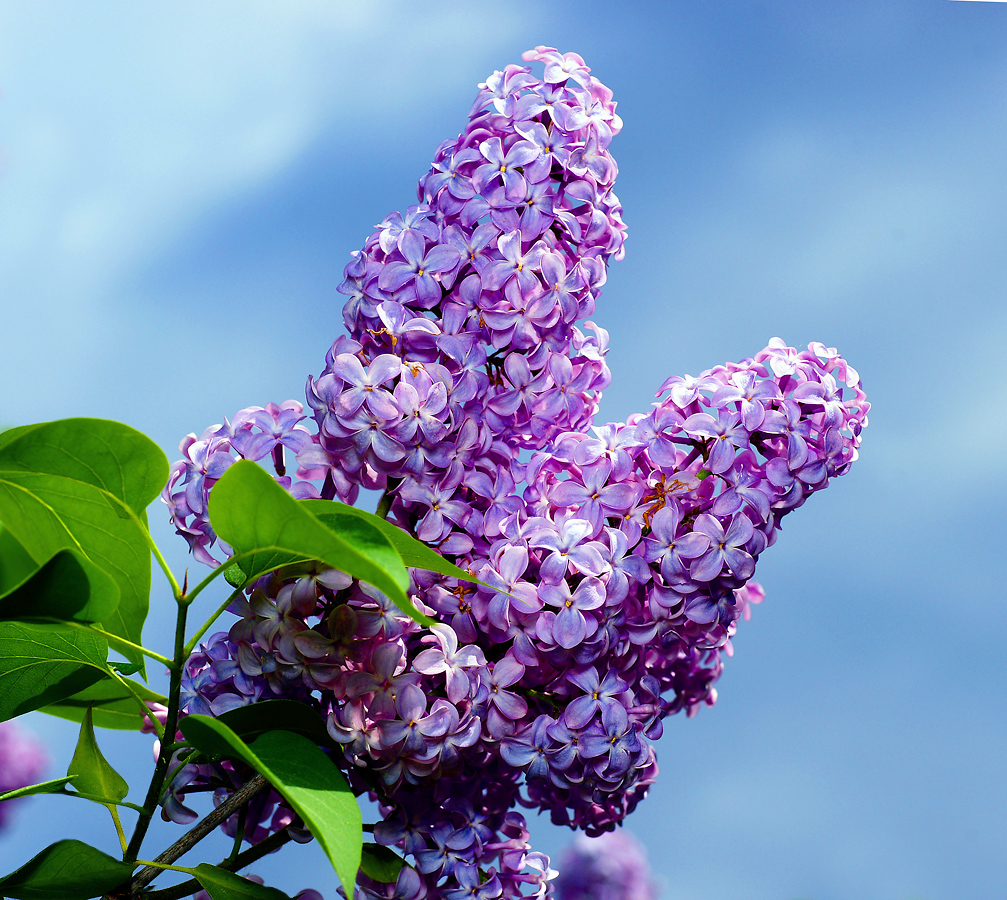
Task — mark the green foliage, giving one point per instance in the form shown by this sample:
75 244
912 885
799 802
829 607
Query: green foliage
268 528
90 770
255 719
66 870
113 457
83 485
223 885
414 554
69 588
15 563
75 570
112 703
55 786
42 664
308 780
380 863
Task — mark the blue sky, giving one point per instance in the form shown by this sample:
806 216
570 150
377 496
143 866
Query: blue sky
180 187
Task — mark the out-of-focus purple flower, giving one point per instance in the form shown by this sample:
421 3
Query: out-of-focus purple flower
612 866
22 761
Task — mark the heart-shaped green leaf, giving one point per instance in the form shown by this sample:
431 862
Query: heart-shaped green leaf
92 773
68 587
308 780
66 870
223 885
268 528
43 664
112 704
110 456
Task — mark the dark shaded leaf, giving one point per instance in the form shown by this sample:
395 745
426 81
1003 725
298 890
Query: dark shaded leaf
308 780
380 863
68 587
223 885
255 719
66 870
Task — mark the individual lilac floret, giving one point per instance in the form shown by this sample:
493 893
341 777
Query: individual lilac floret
22 761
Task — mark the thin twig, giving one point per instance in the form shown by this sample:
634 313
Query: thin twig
271 843
189 840
170 727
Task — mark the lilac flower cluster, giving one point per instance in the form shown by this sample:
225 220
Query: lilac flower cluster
614 561
254 433
612 866
22 761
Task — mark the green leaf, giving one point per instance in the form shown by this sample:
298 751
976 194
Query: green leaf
83 484
43 664
255 719
223 885
66 870
112 703
308 780
110 456
415 554
235 576
268 528
15 563
94 773
43 787
68 587
380 863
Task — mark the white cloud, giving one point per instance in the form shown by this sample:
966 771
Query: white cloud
121 123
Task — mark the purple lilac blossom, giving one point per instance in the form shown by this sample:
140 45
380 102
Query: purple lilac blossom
615 560
613 866
22 761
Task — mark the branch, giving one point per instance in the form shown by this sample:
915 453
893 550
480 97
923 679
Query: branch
189 840
271 843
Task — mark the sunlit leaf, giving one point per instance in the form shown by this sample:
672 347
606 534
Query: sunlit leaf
43 787
110 456
415 554
92 773
15 563
268 528
308 780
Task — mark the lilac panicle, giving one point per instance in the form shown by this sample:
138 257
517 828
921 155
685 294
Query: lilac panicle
615 561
